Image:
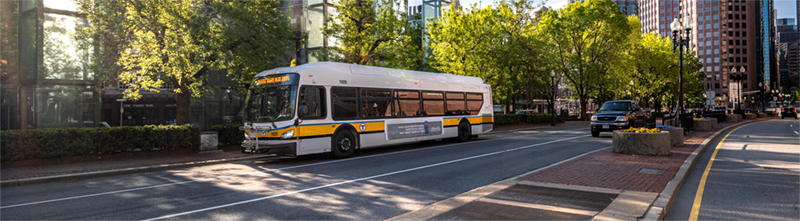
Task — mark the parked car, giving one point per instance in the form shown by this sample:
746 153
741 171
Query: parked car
789 112
720 108
91 124
617 115
525 112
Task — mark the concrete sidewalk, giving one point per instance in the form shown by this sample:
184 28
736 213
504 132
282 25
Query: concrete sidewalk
598 185
18 176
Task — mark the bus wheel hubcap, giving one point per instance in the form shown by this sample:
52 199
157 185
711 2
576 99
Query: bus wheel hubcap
344 144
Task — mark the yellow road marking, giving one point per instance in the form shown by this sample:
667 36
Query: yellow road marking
698 198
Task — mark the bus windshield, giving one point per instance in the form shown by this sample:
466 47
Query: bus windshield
269 104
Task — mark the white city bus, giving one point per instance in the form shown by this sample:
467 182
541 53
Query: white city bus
336 108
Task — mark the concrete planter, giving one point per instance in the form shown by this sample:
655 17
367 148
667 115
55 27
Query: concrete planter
762 115
702 125
738 117
675 136
714 124
641 143
749 116
730 118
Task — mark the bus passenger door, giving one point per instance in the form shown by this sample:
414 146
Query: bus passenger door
311 110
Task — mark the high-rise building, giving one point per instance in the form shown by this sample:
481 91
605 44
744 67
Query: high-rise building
787 34
727 34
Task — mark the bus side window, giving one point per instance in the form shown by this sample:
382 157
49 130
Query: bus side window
433 103
344 105
375 103
474 103
456 104
406 103
312 103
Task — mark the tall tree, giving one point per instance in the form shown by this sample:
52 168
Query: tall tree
372 32
585 37
179 42
499 45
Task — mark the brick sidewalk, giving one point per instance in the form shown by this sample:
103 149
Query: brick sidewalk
606 169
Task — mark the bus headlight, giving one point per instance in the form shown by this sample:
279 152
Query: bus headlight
246 136
287 134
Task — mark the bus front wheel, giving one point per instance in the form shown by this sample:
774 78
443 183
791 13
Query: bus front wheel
344 144
464 132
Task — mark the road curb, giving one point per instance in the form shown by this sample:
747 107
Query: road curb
95 174
660 206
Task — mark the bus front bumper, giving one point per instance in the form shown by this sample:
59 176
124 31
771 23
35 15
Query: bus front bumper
277 147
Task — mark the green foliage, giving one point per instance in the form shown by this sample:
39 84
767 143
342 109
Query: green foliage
45 143
373 33
500 45
587 40
230 134
178 42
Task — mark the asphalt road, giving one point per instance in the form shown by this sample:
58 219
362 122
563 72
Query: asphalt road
377 184
755 175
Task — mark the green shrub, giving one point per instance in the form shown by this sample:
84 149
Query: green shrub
229 134
47 143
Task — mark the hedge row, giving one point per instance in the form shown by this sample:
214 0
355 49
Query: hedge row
503 119
228 134
45 143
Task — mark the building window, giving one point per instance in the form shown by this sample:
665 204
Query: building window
737 43
716 17
744 33
744 42
716 25
745 83
716 85
716 51
744 51
716 43
716 34
730 50
716 8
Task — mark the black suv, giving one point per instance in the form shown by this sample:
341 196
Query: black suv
789 112
617 115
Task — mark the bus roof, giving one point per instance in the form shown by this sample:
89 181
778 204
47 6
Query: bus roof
375 71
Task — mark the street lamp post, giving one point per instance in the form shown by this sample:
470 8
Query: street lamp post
738 79
762 94
553 93
679 41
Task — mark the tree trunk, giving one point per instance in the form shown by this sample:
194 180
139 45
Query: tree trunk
183 101
583 108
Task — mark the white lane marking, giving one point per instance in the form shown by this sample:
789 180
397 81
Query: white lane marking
360 179
242 174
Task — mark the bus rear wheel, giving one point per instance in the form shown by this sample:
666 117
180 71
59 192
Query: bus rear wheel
464 132
344 144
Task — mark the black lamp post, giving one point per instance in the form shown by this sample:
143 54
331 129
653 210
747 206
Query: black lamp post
553 93
738 79
679 41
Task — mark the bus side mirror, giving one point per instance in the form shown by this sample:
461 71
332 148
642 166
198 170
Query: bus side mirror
296 122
